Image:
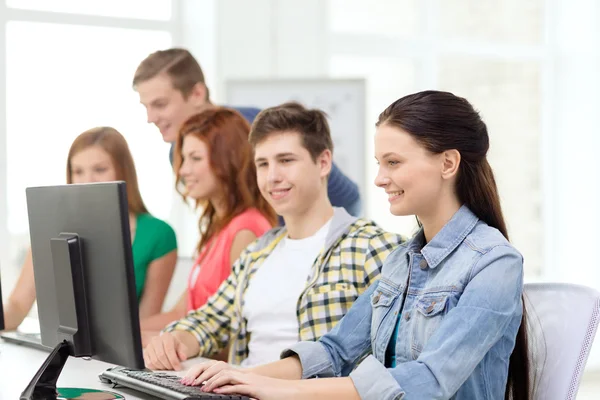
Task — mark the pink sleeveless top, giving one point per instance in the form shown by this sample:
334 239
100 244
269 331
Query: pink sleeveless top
213 265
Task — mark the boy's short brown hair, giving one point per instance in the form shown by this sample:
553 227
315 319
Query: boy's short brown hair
179 64
310 124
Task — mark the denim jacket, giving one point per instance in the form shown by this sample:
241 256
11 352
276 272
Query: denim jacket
458 298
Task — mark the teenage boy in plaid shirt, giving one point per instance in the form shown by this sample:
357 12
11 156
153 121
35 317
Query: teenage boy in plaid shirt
295 282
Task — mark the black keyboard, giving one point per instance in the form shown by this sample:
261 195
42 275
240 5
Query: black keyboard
160 384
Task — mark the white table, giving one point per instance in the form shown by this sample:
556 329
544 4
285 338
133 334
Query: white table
18 365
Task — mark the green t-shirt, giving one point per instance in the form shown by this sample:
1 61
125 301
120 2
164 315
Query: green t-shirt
153 239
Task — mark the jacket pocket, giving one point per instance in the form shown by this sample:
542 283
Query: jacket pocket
429 312
381 304
430 306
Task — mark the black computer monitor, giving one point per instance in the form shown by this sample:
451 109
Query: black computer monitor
84 280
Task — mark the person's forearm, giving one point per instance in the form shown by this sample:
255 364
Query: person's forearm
190 342
148 310
288 368
151 301
326 389
22 296
13 316
159 321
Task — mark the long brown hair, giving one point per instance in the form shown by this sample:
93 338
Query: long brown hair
441 121
112 142
225 133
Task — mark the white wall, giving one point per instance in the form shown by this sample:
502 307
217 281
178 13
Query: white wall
269 39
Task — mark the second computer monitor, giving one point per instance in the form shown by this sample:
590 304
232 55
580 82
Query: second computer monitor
81 232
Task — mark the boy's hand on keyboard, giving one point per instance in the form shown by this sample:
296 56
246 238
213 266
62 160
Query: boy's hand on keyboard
165 352
147 337
202 372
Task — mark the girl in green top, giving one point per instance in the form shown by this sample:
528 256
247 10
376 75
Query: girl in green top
102 155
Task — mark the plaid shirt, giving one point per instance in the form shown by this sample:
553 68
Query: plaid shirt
341 272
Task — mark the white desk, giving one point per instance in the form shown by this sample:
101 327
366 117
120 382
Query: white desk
18 365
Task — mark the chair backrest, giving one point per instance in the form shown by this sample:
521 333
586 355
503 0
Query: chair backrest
562 323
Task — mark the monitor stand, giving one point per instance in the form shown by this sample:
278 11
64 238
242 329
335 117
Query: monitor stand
43 384
72 316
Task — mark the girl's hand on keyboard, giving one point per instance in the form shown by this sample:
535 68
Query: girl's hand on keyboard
235 381
202 372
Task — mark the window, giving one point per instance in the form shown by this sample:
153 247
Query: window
142 9
384 17
66 66
509 21
508 95
85 82
489 52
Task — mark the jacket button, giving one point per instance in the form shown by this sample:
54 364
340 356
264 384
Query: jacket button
430 308
423 264
376 298
407 315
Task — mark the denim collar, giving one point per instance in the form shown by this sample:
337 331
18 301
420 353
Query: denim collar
447 239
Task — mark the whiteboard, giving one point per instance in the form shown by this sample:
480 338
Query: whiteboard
342 99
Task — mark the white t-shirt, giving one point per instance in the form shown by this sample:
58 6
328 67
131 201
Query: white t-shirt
271 300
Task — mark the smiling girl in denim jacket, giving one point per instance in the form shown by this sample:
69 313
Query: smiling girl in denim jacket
446 318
